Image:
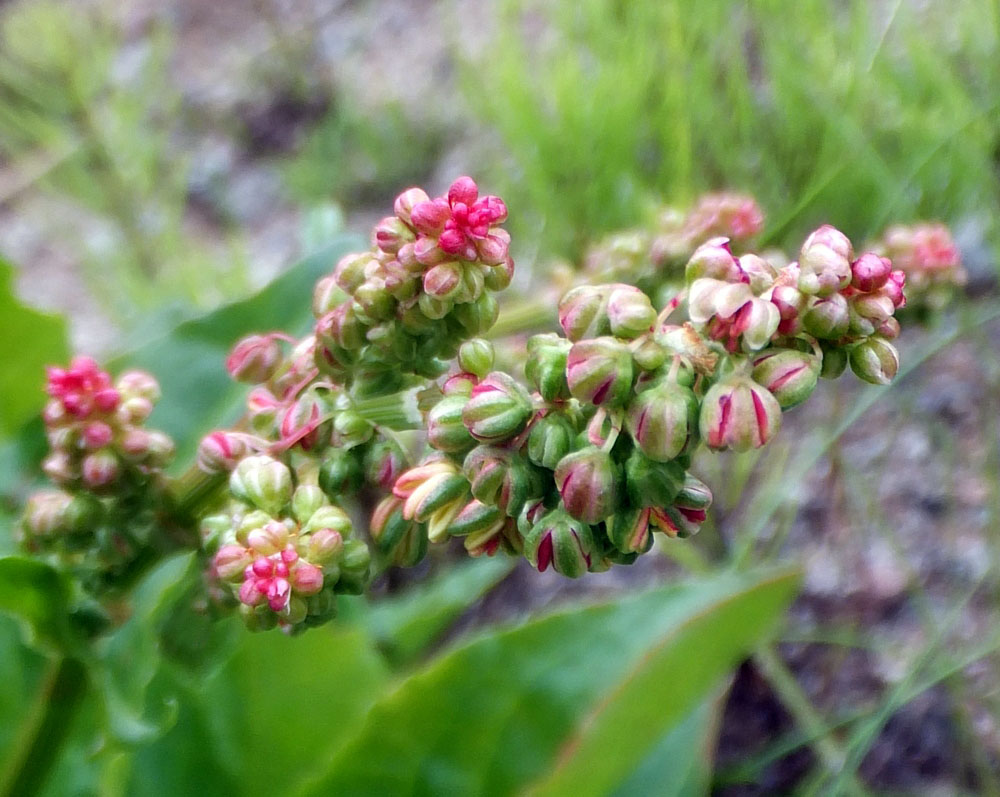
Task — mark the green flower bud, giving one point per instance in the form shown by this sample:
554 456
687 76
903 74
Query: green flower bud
583 312
328 517
628 530
630 312
561 541
339 474
476 357
306 499
713 260
546 365
350 429
599 371
262 481
588 482
663 420
550 439
475 518
834 360
828 317
650 483
875 360
502 478
445 429
498 409
789 374
355 568
400 541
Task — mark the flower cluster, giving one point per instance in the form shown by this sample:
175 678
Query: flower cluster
929 257
574 461
650 257
426 284
282 551
828 301
107 465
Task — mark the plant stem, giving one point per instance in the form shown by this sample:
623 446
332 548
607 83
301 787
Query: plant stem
523 316
808 719
52 719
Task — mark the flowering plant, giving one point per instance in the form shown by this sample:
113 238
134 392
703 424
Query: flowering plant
398 411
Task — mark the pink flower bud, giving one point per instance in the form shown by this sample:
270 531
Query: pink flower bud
254 359
324 545
825 262
583 312
407 201
599 371
269 539
790 375
893 288
443 280
739 414
587 481
219 451
390 234
714 260
100 469
493 248
827 317
429 217
630 312
464 190
59 467
870 272
231 561
307 579
96 434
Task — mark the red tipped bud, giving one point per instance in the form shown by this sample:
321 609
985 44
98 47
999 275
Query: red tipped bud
738 413
254 359
587 481
790 375
599 371
875 360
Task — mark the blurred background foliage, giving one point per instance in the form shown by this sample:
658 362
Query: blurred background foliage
160 160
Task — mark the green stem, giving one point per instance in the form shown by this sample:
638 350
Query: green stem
523 316
48 728
806 717
398 411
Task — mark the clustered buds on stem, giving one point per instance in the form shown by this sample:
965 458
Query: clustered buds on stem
927 254
107 465
575 467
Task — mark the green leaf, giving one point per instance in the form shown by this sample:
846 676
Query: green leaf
491 716
36 594
280 706
189 362
662 687
680 763
405 626
35 339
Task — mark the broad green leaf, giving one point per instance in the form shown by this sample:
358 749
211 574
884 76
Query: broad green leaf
491 716
680 763
405 626
189 362
36 594
280 706
34 339
21 671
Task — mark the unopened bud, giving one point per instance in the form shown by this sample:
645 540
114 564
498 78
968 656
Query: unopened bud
324 545
263 482
828 317
390 234
790 375
739 414
875 360
559 540
630 312
406 201
100 469
230 561
476 357
587 481
663 420
825 262
628 530
340 473
498 409
650 483
269 539
220 451
306 499
583 312
713 260
550 439
399 540
254 359
870 272
546 365
599 371
445 429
